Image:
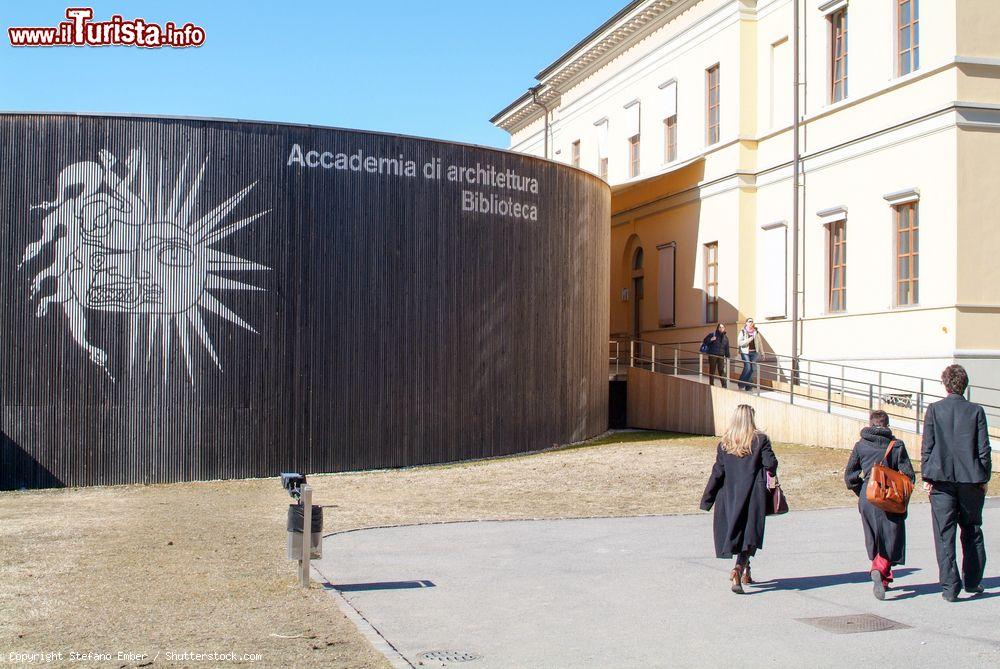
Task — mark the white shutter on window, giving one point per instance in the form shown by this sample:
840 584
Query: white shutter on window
773 271
665 290
602 139
670 100
632 120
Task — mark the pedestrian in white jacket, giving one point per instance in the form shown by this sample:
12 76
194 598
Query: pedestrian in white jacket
748 342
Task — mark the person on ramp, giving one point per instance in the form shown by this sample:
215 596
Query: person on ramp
737 489
885 533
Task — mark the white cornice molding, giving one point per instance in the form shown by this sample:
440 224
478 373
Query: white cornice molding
902 196
587 58
748 9
832 214
830 6
978 116
977 60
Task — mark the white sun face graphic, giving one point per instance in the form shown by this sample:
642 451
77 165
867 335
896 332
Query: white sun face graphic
125 242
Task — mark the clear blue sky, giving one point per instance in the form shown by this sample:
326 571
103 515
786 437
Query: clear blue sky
436 68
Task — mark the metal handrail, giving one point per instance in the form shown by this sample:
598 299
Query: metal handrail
842 379
836 364
841 386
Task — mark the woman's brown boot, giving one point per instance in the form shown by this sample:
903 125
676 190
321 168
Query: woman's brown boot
736 577
746 576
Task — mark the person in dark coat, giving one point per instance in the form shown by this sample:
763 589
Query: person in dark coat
716 345
885 533
737 489
956 468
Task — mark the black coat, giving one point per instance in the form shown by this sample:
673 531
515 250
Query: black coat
717 345
885 533
737 489
956 444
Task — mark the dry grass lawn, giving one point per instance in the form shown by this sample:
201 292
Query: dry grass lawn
200 567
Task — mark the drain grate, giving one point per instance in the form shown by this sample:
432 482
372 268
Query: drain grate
446 656
862 622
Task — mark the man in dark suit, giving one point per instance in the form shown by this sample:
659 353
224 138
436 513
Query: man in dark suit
956 469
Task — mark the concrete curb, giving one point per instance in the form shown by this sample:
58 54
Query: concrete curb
368 631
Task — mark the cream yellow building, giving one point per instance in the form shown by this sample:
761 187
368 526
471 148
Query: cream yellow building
685 106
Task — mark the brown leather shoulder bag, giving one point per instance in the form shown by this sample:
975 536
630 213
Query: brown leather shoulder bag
888 489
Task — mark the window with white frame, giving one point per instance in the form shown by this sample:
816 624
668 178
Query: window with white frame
711 252
907 36
602 148
669 121
632 130
907 254
772 263
665 289
836 260
712 105
838 54
781 84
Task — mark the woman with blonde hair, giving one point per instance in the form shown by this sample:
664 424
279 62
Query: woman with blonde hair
737 488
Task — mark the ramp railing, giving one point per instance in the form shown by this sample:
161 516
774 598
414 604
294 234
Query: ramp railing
833 387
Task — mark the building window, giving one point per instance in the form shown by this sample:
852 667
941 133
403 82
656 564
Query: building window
665 292
908 36
712 282
838 55
781 83
637 292
633 156
712 105
670 139
576 153
602 148
907 254
837 262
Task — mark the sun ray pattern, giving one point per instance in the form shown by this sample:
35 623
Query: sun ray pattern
182 334
198 325
185 213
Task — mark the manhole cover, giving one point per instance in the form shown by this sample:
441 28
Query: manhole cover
445 656
862 622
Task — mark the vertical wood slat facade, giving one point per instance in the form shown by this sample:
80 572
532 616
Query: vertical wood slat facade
392 328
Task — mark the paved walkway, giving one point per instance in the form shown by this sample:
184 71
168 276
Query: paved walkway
645 592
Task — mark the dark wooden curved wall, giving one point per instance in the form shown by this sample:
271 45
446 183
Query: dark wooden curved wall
392 329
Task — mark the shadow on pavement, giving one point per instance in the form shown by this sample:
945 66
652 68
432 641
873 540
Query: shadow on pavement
911 591
824 581
387 585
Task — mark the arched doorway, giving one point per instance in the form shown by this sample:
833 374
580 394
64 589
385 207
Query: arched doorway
637 293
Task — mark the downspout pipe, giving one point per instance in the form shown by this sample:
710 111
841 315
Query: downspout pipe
796 173
535 90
